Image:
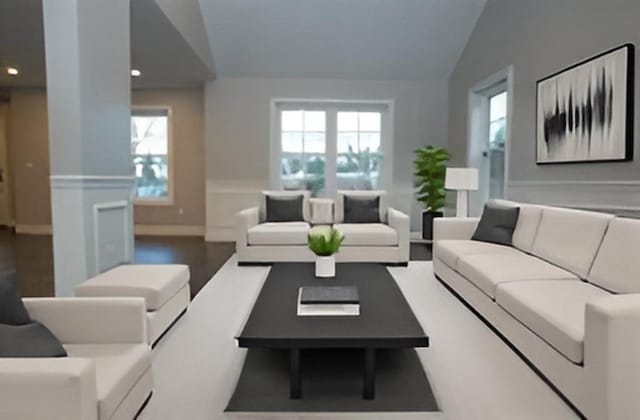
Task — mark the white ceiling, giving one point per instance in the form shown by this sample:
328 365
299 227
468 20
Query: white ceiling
340 39
345 39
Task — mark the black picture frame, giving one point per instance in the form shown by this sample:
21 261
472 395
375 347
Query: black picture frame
627 140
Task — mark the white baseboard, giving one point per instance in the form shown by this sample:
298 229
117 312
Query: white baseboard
150 230
33 229
169 230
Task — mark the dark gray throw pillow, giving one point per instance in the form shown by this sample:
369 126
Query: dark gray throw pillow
12 310
284 208
29 340
497 224
361 209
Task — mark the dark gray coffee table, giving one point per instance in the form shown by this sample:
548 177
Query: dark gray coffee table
385 320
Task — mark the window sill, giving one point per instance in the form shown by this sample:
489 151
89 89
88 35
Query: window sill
160 203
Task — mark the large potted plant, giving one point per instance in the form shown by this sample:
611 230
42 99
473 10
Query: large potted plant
429 171
325 241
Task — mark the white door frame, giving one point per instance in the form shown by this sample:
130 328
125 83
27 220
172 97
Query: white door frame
478 124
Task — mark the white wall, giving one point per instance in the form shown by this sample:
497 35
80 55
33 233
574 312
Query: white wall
237 136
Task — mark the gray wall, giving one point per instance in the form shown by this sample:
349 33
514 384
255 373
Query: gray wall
539 38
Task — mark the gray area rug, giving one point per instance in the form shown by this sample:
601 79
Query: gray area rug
332 382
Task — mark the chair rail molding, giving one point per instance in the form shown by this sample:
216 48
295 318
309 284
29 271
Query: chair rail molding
620 197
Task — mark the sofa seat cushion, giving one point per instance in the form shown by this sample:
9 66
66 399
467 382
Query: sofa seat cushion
284 233
156 283
449 251
367 234
486 271
552 309
118 369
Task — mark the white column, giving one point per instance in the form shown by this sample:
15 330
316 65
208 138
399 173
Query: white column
88 91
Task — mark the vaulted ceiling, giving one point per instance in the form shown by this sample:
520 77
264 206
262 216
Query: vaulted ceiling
175 42
345 39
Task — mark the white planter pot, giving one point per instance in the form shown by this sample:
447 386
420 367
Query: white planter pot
326 266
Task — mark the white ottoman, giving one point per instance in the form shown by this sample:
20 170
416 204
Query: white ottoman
165 289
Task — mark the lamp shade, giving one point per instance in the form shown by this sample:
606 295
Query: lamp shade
461 179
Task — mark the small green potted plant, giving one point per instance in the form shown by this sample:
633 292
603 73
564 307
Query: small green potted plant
325 241
429 171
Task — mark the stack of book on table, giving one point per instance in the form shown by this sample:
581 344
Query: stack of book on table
328 301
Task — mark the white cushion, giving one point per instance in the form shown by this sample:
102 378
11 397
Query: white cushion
339 210
489 270
118 369
284 233
552 309
617 264
527 226
156 283
450 251
570 238
367 234
306 207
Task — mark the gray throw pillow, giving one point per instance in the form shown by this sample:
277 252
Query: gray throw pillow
12 310
497 224
361 209
284 208
29 340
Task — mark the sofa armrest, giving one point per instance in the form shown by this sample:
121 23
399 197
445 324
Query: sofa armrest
92 320
48 388
400 223
245 220
611 349
454 227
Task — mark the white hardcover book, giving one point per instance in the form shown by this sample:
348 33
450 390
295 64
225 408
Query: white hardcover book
327 309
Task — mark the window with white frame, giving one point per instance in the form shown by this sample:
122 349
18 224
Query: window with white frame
150 151
324 147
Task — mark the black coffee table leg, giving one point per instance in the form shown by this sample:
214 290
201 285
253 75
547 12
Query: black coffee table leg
369 374
295 381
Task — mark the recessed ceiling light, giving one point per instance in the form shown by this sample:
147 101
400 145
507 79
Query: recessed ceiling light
136 73
12 71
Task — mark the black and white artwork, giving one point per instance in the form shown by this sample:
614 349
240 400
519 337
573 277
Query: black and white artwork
585 112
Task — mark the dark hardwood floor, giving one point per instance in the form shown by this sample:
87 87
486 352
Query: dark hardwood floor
32 258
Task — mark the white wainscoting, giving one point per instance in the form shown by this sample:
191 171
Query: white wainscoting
111 234
223 204
618 197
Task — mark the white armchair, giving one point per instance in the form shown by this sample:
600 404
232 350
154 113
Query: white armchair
107 374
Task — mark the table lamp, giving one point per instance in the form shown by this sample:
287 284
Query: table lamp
462 180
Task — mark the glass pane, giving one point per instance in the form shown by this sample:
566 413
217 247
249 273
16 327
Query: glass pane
292 142
314 121
347 121
291 120
370 121
149 146
314 142
347 141
498 106
370 141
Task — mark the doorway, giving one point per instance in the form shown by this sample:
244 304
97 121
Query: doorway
6 216
490 104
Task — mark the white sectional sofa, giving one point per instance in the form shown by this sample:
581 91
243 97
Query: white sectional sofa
106 376
262 243
566 295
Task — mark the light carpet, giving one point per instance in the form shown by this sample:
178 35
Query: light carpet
474 375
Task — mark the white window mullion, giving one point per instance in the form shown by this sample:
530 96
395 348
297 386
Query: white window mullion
331 152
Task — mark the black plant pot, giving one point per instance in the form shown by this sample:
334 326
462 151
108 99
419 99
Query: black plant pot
427 223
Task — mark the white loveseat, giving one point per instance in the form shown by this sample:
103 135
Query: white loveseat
566 295
106 376
260 242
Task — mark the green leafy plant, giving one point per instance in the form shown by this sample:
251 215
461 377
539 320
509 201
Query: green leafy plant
324 241
429 171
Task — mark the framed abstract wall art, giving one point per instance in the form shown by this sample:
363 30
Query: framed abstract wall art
585 112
